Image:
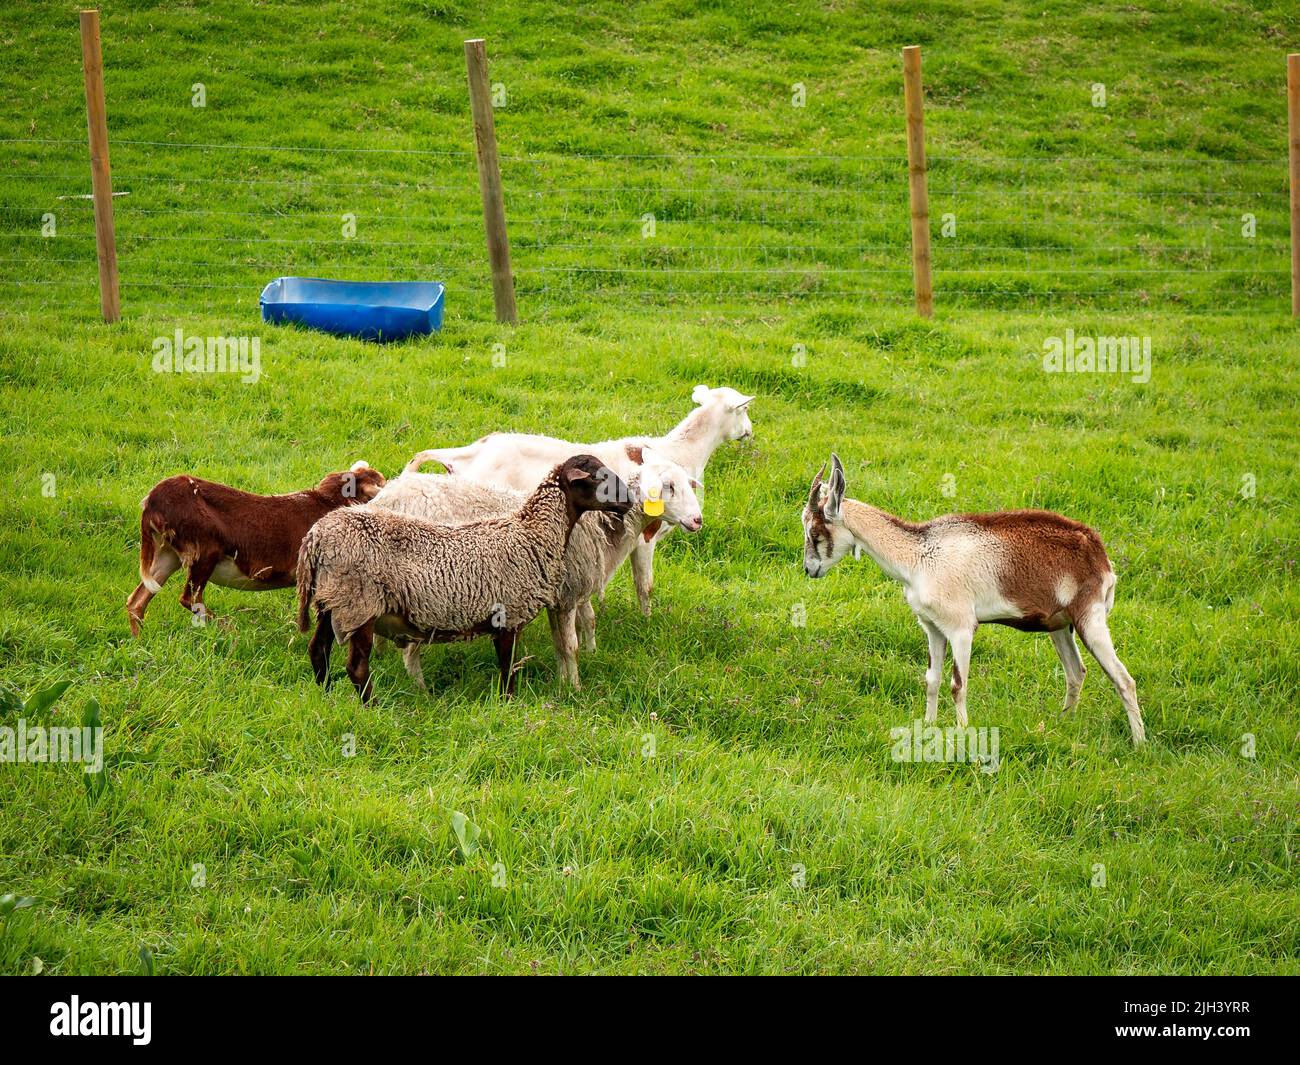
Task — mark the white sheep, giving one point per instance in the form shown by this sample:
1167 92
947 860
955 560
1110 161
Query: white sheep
597 546
412 580
519 460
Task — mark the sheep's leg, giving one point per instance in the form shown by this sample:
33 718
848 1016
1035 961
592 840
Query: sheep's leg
200 572
164 564
960 642
1095 634
359 645
571 642
322 642
565 642
643 573
1068 650
587 625
933 675
505 642
411 656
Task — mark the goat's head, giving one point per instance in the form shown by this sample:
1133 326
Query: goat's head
730 407
826 539
360 484
591 485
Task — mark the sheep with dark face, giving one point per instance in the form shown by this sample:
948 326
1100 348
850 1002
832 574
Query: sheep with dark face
369 570
598 546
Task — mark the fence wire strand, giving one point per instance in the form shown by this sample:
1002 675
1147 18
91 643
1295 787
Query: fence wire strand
689 228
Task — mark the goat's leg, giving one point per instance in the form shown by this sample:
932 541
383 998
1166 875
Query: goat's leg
1095 634
196 579
505 643
565 641
359 645
322 642
960 641
933 675
164 563
643 573
586 625
1068 650
411 658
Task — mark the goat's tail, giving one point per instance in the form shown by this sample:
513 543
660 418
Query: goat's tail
446 456
306 580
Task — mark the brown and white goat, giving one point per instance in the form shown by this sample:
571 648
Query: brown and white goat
232 538
1030 569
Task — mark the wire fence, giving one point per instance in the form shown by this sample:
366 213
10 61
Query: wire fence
209 224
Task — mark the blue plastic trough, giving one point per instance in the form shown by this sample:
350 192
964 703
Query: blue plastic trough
370 310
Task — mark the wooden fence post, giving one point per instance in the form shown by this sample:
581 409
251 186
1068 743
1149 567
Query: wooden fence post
489 180
918 193
1293 123
101 178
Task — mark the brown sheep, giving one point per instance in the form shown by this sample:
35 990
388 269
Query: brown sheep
232 538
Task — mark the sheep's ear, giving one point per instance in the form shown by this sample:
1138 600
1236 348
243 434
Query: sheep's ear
696 484
831 509
741 402
702 395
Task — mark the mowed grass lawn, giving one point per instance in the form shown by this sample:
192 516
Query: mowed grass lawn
720 796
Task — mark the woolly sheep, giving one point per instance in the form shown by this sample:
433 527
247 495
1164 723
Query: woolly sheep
369 570
597 547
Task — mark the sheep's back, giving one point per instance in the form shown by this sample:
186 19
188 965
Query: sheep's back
445 580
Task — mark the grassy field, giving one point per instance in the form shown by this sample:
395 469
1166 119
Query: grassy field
720 797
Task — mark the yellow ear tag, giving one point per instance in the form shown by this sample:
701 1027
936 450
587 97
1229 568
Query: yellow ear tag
653 506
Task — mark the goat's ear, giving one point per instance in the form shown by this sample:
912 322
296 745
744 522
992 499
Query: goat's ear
835 491
814 493
702 395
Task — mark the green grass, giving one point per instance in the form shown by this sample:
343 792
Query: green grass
771 745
